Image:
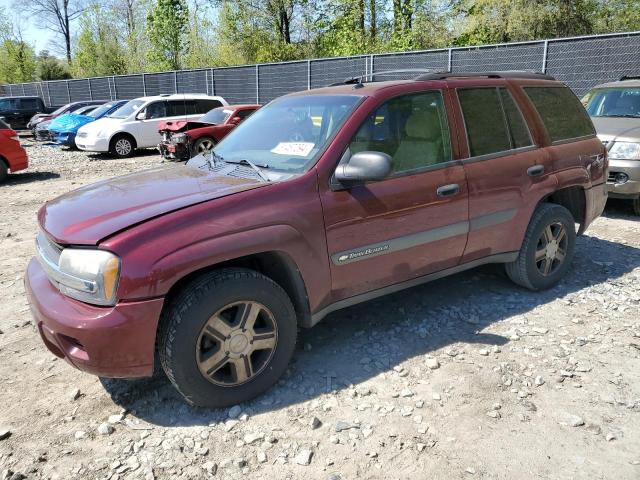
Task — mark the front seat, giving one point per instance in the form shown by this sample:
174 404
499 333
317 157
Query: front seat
422 143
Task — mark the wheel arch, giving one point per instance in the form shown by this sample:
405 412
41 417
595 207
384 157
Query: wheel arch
120 134
574 199
277 265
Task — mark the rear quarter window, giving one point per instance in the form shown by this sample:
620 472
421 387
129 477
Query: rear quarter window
561 112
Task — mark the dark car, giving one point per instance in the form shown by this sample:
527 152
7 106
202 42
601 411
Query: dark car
68 108
18 110
183 139
13 157
320 200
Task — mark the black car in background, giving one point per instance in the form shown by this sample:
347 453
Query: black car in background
17 111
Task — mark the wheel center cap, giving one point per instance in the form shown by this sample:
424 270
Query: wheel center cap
552 249
238 343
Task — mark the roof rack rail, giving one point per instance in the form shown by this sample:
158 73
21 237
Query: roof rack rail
531 74
629 77
362 78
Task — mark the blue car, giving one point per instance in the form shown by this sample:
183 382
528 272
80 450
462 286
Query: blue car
63 129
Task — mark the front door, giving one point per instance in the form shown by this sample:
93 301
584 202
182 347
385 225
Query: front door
410 224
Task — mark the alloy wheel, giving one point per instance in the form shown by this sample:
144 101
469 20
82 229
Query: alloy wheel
236 343
551 250
123 147
205 146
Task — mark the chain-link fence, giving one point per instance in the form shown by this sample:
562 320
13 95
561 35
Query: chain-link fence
580 62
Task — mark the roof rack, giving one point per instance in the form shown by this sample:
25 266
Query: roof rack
629 77
530 74
362 78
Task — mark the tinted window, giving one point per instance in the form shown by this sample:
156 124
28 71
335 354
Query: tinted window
176 108
29 104
7 104
156 110
518 131
412 129
487 130
562 113
244 113
203 106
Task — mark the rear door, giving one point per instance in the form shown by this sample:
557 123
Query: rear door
501 169
27 107
410 224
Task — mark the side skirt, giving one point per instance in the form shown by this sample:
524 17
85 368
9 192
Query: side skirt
396 287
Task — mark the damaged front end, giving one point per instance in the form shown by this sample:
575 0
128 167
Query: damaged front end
174 145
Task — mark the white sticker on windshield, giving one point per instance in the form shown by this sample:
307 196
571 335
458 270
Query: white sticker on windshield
301 149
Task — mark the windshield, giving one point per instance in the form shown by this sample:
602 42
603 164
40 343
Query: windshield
101 110
613 102
217 115
60 110
288 133
127 109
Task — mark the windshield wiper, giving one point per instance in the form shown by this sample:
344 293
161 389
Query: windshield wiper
257 168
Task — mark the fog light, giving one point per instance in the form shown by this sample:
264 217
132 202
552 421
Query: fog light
621 178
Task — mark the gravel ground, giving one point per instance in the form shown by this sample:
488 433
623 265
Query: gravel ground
466 377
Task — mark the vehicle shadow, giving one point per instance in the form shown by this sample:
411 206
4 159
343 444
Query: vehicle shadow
355 344
27 177
142 152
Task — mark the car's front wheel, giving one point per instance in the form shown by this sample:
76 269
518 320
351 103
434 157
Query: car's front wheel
202 145
636 206
227 337
121 146
547 249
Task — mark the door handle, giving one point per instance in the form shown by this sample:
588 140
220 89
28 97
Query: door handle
535 171
448 190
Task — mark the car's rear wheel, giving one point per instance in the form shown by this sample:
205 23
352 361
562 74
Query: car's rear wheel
4 171
636 205
227 337
547 249
121 146
202 145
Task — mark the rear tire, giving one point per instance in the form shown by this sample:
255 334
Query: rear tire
227 337
4 171
121 146
547 249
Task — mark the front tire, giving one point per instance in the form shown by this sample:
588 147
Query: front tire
227 337
121 146
202 145
547 249
4 171
636 205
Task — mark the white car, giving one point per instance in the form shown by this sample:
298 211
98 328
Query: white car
135 124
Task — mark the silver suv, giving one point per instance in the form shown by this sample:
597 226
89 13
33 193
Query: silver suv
615 110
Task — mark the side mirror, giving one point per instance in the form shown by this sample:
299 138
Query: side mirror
363 167
142 115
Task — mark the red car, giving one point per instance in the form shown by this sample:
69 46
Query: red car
12 156
182 139
324 199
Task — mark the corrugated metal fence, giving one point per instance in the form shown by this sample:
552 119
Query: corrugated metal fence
581 62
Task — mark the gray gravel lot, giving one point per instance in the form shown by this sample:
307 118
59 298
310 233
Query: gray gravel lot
466 377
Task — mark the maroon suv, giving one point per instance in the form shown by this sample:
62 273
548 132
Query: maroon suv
320 200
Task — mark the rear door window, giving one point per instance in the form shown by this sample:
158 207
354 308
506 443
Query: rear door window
28 104
561 112
203 106
176 108
493 121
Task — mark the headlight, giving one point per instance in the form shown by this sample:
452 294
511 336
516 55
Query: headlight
89 275
625 151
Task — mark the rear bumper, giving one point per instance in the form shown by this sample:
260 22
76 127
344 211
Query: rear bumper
17 160
595 200
105 341
92 144
631 187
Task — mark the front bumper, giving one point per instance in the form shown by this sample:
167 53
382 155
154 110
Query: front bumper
66 139
628 189
114 341
174 151
92 144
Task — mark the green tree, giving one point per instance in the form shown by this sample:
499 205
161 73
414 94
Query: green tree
50 67
168 34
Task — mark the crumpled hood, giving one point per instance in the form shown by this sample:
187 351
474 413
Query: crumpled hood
69 122
617 128
89 214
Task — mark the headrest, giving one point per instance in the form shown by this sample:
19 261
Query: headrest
423 124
